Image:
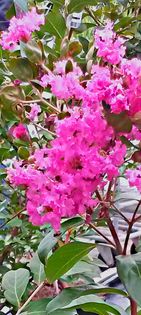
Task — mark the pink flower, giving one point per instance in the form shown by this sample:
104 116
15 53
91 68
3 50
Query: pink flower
35 110
134 178
20 132
109 46
20 29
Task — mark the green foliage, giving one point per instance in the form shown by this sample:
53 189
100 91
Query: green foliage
46 245
41 247
37 268
129 271
64 258
14 283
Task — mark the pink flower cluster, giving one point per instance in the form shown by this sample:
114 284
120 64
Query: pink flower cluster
61 181
110 47
134 178
35 110
20 29
19 132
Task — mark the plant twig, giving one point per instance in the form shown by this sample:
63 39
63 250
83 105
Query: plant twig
44 129
30 102
30 298
133 220
133 306
93 17
120 213
101 234
115 236
13 217
41 100
109 221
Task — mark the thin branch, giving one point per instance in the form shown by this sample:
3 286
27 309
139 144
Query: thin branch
93 17
30 102
133 306
133 220
109 221
44 129
13 217
50 105
120 213
45 68
115 235
101 234
41 100
108 195
30 298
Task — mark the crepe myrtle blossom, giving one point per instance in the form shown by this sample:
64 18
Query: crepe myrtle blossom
35 110
19 132
61 179
21 29
110 46
134 177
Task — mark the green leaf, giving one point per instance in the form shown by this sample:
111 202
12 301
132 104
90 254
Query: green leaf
127 142
91 303
55 24
46 245
63 299
78 297
15 223
84 267
36 307
14 284
21 68
22 4
23 153
71 223
32 51
129 271
37 268
85 43
104 290
64 258
64 312
75 47
77 6
58 3
10 95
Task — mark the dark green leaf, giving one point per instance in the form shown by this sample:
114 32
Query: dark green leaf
21 68
36 307
91 303
75 5
75 48
14 284
23 153
71 223
129 271
11 95
64 258
56 24
63 299
37 268
46 245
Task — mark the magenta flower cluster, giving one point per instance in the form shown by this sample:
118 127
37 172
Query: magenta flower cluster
60 180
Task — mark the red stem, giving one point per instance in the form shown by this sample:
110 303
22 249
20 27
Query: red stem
133 306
